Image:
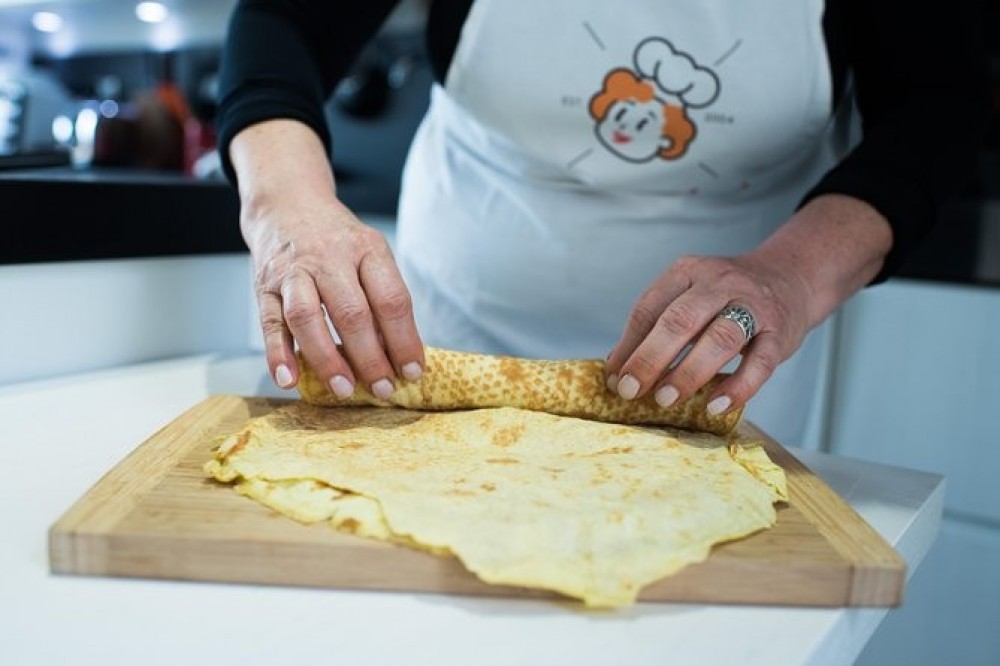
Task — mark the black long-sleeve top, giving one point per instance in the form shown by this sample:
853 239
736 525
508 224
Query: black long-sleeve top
917 67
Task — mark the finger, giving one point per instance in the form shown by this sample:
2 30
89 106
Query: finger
719 343
760 359
393 309
306 321
679 325
278 343
644 316
354 322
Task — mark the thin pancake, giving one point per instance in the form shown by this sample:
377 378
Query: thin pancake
592 510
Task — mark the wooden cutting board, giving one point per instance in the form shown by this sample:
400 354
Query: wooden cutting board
156 515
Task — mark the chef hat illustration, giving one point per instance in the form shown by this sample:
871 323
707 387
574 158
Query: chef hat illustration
676 73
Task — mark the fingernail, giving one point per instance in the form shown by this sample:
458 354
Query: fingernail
666 396
283 376
341 386
412 371
718 405
382 389
628 387
612 383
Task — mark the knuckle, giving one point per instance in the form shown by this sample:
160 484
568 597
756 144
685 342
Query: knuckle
261 281
679 320
300 315
734 279
350 316
643 316
767 364
272 324
267 275
369 240
687 262
725 335
766 291
394 306
376 239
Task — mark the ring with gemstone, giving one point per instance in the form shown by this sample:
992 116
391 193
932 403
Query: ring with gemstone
743 318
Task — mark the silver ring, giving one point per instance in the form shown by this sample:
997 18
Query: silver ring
743 318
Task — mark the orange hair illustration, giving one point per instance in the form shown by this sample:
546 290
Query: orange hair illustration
623 84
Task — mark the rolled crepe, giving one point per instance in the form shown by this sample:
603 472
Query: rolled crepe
455 380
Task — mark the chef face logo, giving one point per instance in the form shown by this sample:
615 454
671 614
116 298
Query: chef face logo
641 113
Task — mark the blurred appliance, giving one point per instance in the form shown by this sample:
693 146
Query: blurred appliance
30 102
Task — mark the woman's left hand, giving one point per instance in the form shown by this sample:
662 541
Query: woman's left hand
680 311
827 251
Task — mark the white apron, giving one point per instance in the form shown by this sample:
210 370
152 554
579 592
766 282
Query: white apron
577 148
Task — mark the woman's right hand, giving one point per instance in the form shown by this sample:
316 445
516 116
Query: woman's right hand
313 260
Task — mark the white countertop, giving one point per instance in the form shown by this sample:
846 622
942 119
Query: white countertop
58 437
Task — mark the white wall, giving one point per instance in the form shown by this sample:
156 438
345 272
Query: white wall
65 318
70 317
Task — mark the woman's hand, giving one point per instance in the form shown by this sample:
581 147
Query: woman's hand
831 248
314 260
680 310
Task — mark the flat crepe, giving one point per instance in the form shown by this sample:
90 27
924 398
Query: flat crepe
591 510
460 380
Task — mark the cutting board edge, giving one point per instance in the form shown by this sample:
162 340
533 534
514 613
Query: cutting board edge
861 546
877 586
121 552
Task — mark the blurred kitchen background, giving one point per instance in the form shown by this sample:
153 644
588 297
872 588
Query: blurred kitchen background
132 85
119 244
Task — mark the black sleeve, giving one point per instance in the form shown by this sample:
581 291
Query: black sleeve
920 81
282 59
